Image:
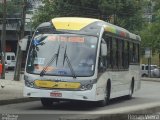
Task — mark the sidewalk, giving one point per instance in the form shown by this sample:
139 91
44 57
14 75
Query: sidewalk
150 79
12 92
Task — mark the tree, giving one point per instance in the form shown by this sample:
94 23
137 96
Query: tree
56 8
13 7
125 13
150 34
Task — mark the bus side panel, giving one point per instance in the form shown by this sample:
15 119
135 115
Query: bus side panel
120 81
135 73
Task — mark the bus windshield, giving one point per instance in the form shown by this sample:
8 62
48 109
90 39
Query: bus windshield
62 55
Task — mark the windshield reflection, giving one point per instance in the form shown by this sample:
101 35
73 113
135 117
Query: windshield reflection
81 53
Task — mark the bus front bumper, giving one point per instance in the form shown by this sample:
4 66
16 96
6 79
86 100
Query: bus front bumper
86 95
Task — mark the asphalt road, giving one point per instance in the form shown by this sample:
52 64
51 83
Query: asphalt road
148 94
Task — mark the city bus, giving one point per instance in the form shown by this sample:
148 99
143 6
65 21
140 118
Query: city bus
81 59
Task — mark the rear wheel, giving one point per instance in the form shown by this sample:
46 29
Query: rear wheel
144 75
46 102
131 90
105 102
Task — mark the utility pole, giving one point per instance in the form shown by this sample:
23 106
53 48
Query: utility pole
159 64
19 55
3 39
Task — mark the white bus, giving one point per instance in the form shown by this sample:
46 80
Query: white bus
72 58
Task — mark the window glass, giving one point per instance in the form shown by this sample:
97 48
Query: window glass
65 55
146 68
120 49
131 52
137 53
142 67
103 59
8 57
120 53
134 52
126 55
12 58
109 52
114 54
123 55
117 56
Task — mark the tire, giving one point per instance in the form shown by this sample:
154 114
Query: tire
156 73
131 90
46 102
106 100
144 75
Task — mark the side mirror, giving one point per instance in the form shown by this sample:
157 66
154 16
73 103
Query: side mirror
23 42
103 49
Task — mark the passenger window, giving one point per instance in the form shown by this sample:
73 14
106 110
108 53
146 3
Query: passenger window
12 57
102 60
109 52
114 54
146 68
142 67
8 57
120 53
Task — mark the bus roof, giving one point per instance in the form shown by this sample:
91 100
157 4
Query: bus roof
72 23
90 26
120 31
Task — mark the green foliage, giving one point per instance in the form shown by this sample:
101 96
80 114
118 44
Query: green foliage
56 8
150 34
126 13
1 9
13 7
131 13
157 4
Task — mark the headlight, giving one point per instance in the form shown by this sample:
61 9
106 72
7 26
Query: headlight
89 86
86 87
29 83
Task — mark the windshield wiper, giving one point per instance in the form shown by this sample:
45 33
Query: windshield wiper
69 63
55 56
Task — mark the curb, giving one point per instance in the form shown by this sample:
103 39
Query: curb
120 116
151 79
130 115
150 111
17 100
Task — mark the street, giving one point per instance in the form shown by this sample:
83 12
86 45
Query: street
96 48
9 75
148 94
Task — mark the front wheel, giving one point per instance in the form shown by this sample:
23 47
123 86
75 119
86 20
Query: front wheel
46 102
106 100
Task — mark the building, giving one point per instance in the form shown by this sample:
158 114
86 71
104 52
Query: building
13 25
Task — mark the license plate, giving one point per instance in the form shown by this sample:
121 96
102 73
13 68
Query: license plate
55 94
